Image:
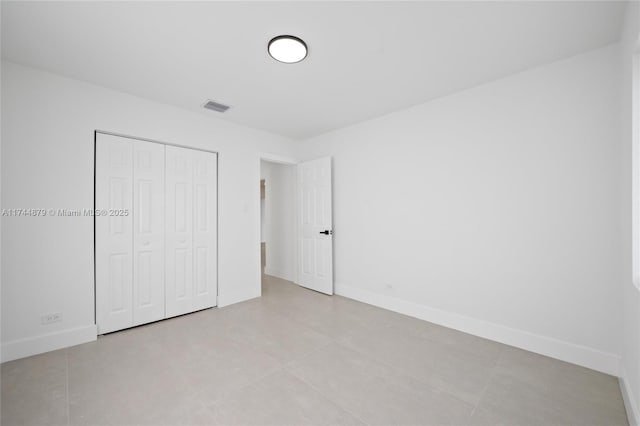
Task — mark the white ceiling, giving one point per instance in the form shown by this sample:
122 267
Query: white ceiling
365 58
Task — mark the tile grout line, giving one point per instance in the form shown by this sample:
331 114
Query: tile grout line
239 388
486 386
287 364
327 397
282 366
385 363
288 367
400 372
333 340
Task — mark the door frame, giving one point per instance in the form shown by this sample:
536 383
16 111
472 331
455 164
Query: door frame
122 135
287 161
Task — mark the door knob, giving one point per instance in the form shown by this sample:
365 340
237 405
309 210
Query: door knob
327 232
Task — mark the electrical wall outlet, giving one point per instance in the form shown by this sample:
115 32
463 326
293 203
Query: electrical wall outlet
49 318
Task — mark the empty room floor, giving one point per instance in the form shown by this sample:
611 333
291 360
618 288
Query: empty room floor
299 357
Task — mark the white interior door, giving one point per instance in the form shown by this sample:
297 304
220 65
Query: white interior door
179 231
315 245
148 232
204 230
114 258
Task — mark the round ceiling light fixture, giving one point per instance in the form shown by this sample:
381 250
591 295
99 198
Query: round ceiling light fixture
288 49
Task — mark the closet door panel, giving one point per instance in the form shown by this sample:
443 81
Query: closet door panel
179 231
114 257
205 229
148 232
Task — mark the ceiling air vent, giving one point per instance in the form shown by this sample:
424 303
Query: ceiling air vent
215 106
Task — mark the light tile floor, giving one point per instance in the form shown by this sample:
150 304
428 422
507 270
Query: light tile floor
297 357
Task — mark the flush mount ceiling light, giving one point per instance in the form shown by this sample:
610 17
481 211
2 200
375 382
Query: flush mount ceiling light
288 49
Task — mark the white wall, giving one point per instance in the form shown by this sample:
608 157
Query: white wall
630 185
495 210
48 124
280 224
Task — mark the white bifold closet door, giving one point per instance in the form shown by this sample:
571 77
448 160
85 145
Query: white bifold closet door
160 259
114 234
130 234
191 230
148 232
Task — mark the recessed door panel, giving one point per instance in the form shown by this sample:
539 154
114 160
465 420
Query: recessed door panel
181 274
201 208
321 261
118 282
201 271
144 283
118 192
308 256
145 205
182 206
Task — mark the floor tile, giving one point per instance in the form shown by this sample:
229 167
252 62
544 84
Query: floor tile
376 393
559 378
278 399
129 390
531 389
457 367
34 390
299 357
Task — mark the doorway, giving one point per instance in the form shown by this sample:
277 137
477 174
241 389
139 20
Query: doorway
296 232
277 223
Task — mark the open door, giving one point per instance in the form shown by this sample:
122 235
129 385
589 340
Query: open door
315 231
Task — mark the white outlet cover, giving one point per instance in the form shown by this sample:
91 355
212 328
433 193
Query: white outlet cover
49 318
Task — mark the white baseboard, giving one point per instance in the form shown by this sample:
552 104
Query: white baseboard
22 348
633 415
226 299
271 271
554 348
277 273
